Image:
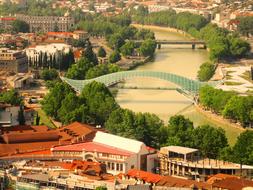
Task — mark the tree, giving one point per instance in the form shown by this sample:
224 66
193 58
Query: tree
209 140
53 100
243 148
89 54
114 57
245 25
147 48
69 111
78 70
101 52
101 69
51 74
20 26
99 100
128 48
21 117
101 188
116 41
179 131
11 97
144 127
206 71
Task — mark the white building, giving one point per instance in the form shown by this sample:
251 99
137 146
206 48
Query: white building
117 153
53 49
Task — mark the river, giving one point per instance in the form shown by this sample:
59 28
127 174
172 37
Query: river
181 60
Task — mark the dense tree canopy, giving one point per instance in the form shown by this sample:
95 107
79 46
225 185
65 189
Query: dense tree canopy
49 74
11 97
141 126
20 26
229 104
245 26
147 48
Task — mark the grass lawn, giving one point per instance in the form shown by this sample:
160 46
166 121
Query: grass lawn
44 119
232 83
246 76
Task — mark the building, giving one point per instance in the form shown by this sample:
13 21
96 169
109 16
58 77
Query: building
187 162
53 50
9 115
13 61
117 153
6 22
47 23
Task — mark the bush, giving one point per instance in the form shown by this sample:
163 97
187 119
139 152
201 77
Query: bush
114 57
206 71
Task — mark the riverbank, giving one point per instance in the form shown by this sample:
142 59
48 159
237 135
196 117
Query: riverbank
165 29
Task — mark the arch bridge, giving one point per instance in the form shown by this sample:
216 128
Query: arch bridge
186 85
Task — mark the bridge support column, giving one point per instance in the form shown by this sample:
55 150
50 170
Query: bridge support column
193 46
159 46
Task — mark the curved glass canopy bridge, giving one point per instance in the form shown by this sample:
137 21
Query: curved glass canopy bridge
186 85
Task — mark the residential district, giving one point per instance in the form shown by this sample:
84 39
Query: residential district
64 67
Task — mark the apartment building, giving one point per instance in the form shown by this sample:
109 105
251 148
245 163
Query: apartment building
47 23
187 162
13 61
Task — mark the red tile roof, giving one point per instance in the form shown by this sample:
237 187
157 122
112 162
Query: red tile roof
93 147
233 184
145 176
8 18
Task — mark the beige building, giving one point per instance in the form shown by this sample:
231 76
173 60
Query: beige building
47 23
13 61
187 162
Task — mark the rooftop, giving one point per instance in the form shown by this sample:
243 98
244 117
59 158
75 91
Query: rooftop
178 149
118 142
93 147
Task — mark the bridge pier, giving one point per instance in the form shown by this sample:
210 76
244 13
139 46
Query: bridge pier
193 46
159 46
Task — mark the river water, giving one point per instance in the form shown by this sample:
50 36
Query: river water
181 60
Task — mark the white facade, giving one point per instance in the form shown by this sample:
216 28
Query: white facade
54 49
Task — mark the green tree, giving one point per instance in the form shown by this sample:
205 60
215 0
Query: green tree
101 188
79 70
20 26
89 54
47 74
209 140
114 57
11 97
53 100
70 109
206 71
128 48
21 117
243 148
116 41
179 131
245 26
101 52
144 127
101 69
99 100
147 48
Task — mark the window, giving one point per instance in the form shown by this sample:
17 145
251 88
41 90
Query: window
117 167
109 165
121 167
113 166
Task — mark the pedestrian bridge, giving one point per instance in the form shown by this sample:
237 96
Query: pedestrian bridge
186 85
